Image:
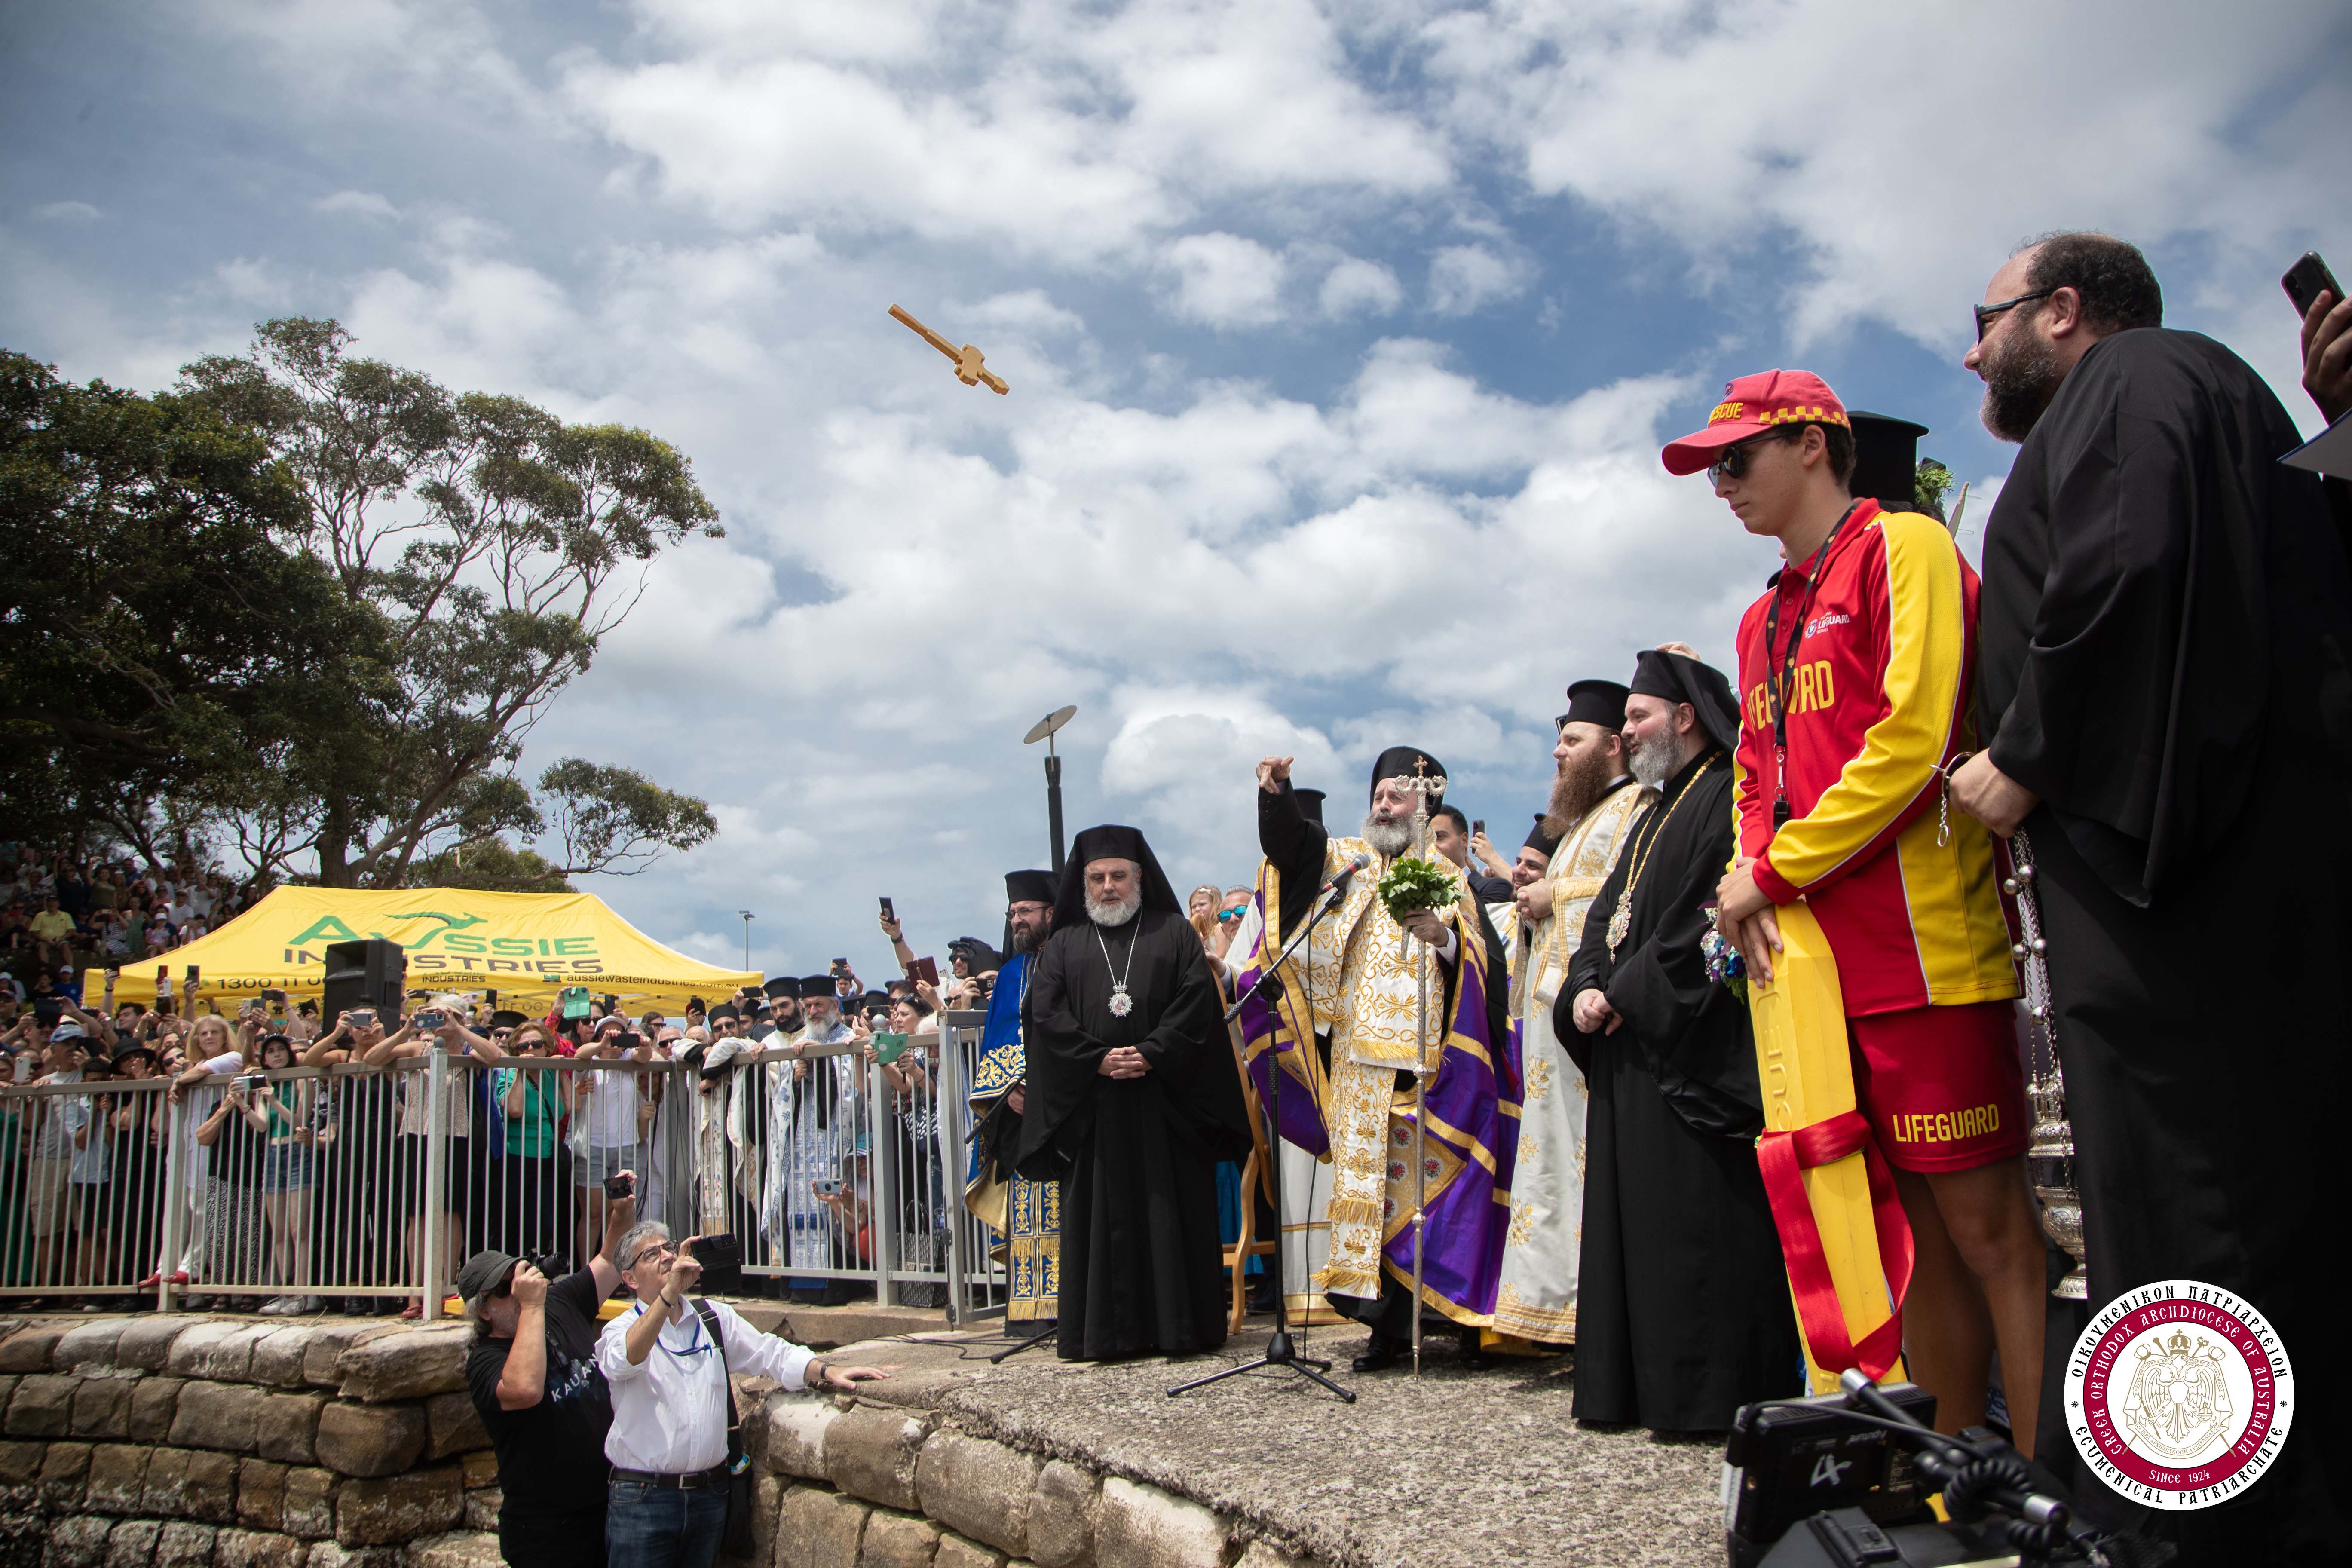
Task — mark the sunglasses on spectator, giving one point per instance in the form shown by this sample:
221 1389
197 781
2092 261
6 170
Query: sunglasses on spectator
1985 313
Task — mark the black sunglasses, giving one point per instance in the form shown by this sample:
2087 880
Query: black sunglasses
1985 313
1732 464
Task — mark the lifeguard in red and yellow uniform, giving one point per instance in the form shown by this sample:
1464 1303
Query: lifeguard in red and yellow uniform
1854 677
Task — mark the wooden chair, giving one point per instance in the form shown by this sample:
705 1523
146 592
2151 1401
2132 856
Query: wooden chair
1258 1175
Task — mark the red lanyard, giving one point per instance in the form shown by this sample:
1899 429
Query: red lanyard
1777 680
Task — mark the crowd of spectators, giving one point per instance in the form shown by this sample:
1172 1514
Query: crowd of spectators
62 913
293 1179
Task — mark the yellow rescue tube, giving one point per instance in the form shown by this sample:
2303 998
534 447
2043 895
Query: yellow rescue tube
1807 1077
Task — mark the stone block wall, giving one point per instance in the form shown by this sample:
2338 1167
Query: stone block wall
184 1442
844 1484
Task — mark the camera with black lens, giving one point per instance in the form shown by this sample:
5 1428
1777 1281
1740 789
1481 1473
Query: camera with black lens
1842 1481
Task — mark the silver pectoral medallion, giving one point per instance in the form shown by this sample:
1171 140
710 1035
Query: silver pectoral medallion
1621 922
1121 1003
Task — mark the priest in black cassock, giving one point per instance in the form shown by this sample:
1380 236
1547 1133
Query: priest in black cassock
1132 1099
1682 1299
2164 682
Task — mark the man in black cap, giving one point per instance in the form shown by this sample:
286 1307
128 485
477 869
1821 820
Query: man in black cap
1681 1306
1132 1098
533 1374
1360 980
1593 800
1027 1215
2162 691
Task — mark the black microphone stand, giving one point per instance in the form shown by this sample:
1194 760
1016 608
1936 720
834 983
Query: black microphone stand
1281 1351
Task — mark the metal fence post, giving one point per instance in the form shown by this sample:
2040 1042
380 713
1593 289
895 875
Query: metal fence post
437 1175
682 1106
953 1161
176 1199
882 1177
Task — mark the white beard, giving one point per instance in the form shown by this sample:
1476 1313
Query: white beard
1655 759
1389 839
1113 914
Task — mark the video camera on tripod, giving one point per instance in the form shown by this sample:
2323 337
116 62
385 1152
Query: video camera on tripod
1842 1481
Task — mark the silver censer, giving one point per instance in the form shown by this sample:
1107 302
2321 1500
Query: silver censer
2049 1152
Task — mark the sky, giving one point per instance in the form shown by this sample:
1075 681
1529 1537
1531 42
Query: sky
1341 340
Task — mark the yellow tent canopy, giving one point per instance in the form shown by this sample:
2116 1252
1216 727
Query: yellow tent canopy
523 945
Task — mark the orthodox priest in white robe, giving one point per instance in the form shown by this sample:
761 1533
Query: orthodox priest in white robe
1593 797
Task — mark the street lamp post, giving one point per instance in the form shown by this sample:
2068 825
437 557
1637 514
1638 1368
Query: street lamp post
1044 731
747 936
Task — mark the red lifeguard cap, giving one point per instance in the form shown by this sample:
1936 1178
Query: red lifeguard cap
1751 405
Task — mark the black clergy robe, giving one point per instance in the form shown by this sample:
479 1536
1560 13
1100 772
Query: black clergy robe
1141 1267
2165 658
1682 1313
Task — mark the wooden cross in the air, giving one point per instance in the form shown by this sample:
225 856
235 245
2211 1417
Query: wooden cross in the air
970 367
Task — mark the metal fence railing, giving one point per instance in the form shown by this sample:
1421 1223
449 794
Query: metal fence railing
310 1188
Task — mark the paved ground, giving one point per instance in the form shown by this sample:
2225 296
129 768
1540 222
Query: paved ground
1460 1471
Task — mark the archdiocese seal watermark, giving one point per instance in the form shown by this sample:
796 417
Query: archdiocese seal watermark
2179 1395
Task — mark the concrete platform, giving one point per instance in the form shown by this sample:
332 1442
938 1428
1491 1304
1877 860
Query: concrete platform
1461 1469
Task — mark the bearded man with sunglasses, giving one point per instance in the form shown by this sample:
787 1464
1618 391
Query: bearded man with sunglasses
2165 696
1854 680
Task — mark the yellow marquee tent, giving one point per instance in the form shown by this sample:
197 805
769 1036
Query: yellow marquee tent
524 945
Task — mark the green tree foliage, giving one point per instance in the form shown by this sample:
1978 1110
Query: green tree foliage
158 640
1930 485
495 546
495 867
614 820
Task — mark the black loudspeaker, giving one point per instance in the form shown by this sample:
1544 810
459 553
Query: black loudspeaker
371 974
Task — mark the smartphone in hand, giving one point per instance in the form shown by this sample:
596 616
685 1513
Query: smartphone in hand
2306 279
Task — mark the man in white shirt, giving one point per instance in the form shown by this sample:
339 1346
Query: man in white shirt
665 1504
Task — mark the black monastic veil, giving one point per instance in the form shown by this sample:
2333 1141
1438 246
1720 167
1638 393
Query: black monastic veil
1141 1270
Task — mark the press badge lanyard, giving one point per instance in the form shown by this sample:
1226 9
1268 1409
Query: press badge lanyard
1775 687
694 1346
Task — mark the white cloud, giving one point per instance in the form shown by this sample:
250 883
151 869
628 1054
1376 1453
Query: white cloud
358 203
1464 278
1321 541
68 212
1716 135
254 283
1357 287
1060 130
1224 281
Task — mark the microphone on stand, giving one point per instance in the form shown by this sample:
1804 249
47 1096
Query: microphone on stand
1339 878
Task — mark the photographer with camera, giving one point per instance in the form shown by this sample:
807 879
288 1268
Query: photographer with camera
533 1374
667 1500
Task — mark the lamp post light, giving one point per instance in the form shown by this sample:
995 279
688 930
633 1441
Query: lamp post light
1044 731
747 936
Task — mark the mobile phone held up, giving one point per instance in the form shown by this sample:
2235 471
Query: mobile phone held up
888 912
2305 279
